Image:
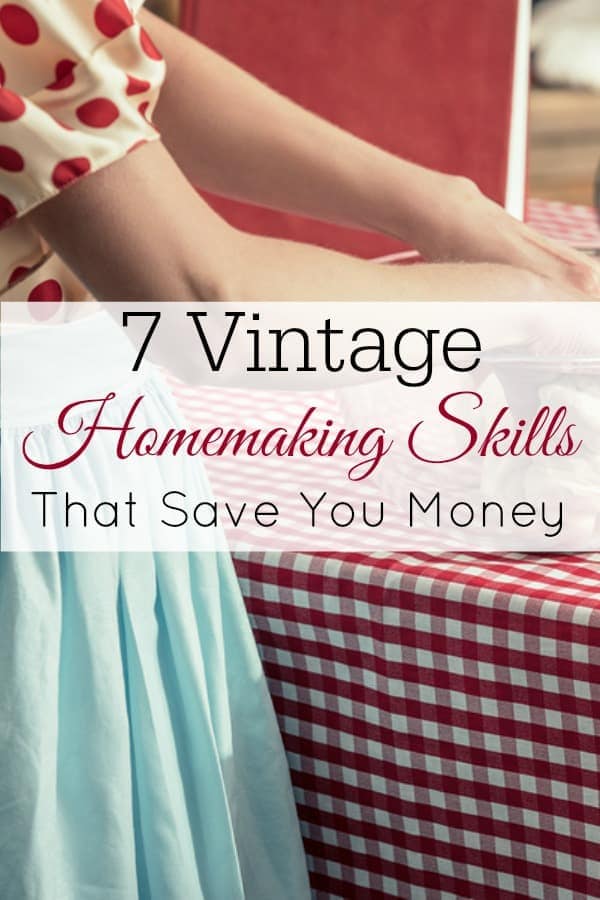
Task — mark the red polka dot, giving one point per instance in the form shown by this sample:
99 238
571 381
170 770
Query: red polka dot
99 113
148 45
112 17
64 75
18 24
44 307
45 298
137 85
136 145
7 210
143 108
2 75
44 310
17 274
48 291
11 106
11 160
70 169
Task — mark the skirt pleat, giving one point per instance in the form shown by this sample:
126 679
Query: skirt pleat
140 757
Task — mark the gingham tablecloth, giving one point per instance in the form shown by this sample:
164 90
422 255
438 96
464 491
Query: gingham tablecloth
577 225
441 719
441 715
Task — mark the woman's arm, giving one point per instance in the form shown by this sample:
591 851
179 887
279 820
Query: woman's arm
234 136
137 230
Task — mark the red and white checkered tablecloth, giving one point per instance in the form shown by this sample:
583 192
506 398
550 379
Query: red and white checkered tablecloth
441 718
577 225
441 715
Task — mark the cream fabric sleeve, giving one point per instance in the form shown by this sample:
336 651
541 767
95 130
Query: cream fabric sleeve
80 80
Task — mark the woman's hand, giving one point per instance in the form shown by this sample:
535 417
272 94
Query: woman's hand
468 227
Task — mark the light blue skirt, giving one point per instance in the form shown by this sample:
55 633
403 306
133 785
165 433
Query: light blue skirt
139 752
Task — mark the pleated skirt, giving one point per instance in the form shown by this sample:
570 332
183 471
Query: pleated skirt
139 751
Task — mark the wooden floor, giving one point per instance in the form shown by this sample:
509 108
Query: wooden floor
564 148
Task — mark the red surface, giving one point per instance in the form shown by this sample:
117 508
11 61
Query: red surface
414 77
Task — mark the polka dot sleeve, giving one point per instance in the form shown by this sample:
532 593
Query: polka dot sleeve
79 81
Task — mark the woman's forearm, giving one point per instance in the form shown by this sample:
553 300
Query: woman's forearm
137 230
234 136
270 269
